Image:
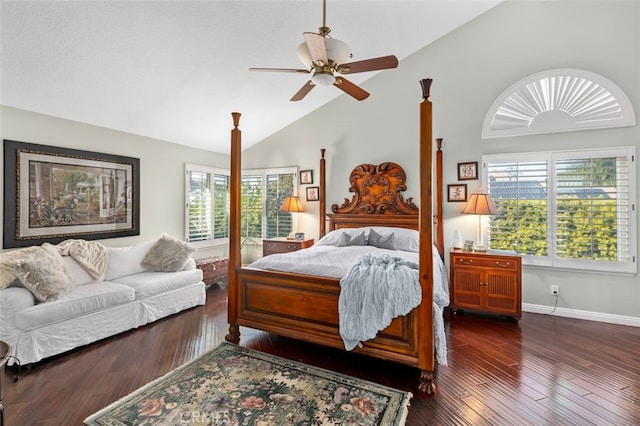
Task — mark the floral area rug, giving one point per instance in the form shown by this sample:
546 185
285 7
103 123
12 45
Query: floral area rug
233 385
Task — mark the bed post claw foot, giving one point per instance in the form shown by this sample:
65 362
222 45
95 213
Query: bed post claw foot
234 334
426 386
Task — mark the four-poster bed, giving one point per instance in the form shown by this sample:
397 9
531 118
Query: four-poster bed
305 307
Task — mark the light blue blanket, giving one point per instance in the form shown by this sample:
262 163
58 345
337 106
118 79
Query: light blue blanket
375 291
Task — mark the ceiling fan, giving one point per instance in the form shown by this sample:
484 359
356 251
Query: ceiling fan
326 59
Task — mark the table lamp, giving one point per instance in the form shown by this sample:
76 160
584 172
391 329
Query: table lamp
291 205
481 205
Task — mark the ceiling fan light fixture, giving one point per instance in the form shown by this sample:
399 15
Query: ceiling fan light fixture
323 78
337 51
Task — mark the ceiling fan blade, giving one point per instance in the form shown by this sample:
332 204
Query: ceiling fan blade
303 91
351 89
317 48
373 64
292 70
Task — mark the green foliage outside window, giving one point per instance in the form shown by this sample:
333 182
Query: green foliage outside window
586 228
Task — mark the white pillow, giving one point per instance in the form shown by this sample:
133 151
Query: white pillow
125 261
406 239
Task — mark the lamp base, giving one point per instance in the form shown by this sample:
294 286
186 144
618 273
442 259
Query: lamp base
480 248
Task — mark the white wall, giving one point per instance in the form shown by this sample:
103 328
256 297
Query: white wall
471 67
161 166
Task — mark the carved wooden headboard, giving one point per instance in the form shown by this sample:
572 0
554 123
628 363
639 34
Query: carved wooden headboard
377 199
377 190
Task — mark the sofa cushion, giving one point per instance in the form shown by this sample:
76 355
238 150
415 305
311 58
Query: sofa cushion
13 300
125 261
80 301
168 255
151 283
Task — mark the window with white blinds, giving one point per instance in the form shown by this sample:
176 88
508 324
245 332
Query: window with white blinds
572 210
262 194
207 204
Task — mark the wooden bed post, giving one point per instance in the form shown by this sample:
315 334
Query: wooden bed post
323 195
439 189
426 357
235 261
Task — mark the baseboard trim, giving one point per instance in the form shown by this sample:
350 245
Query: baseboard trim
585 315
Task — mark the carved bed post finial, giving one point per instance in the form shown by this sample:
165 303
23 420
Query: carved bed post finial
236 119
425 83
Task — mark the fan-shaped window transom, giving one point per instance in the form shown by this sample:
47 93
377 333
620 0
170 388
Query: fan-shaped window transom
558 100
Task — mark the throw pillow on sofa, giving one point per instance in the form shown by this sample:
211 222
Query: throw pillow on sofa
41 270
168 255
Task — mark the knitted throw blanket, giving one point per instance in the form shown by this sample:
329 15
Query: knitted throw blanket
380 288
375 291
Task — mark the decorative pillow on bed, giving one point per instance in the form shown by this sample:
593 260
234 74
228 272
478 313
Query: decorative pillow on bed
382 241
332 238
352 240
168 255
406 239
41 270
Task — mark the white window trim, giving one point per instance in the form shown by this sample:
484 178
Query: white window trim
551 261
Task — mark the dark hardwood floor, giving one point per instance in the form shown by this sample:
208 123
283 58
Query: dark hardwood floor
543 370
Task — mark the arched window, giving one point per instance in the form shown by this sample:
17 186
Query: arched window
560 100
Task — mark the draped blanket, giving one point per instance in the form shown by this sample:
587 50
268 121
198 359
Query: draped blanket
91 255
375 291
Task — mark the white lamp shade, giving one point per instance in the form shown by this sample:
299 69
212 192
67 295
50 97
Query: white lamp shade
480 204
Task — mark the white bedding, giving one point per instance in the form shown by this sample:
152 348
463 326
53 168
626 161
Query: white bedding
335 262
324 260
329 258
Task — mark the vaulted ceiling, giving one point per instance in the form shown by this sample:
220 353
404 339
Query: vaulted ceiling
175 70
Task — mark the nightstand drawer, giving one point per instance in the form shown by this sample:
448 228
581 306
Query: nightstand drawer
280 247
284 246
492 262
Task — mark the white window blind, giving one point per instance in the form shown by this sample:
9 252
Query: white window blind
572 210
251 200
262 194
207 205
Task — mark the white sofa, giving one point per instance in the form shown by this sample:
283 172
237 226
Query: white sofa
128 296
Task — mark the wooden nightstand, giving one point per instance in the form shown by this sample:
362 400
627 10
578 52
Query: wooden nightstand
282 245
486 282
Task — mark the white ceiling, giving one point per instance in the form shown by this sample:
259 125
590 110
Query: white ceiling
175 70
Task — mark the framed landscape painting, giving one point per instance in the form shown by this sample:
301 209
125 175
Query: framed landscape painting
52 194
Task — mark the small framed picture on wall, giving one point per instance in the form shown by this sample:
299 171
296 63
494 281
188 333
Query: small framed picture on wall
457 193
313 193
306 177
468 171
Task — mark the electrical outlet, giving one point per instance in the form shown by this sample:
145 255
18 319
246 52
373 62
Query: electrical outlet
555 290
